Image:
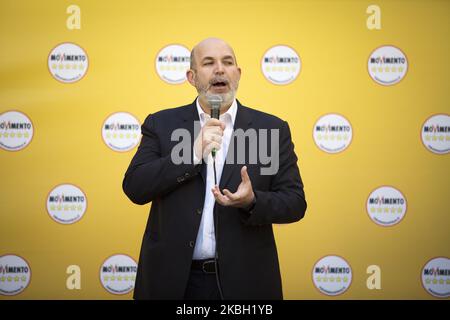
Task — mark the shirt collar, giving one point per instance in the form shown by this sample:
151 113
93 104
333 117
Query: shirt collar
232 110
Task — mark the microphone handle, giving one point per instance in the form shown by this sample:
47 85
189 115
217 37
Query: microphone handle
215 112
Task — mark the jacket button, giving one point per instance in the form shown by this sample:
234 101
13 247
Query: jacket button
180 179
199 211
191 244
187 174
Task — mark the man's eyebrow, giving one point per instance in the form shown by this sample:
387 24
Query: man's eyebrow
224 58
228 57
207 58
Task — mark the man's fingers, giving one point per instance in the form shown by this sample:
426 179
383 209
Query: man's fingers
231 196
215 122
244 174
220 198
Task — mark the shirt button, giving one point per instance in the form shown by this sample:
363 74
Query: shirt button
199 211
191 244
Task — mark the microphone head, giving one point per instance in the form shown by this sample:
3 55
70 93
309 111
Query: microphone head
214 100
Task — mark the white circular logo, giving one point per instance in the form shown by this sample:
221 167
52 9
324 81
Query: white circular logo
436 134
172 62
118 274
332 133
16 130
332 275
386 206
66 204
68 62
15 275
387 65
121 131
281 65
436 277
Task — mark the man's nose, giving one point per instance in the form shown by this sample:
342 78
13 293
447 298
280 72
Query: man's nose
219 68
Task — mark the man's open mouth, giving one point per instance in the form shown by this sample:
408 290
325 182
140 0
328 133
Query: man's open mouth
219 84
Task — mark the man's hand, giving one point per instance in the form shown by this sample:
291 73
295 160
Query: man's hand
210 137
243 196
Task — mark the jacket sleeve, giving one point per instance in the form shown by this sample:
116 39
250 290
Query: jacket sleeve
151 175
285 201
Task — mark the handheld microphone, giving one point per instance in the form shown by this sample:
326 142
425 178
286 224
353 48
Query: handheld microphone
215 101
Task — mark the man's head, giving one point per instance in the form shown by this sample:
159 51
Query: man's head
214 71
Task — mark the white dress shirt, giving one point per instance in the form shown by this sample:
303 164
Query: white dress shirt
205 245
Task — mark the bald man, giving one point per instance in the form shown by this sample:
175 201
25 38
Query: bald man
209 234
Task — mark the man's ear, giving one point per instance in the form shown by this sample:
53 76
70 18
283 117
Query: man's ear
190 75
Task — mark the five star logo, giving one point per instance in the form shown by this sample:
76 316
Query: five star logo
66 204
16 130
121 131
387 65
332 275
386 206
118 274
281 65
332 133
435 134
172 62
68 62
15 275
436 277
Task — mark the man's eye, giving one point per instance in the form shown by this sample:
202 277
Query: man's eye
207 63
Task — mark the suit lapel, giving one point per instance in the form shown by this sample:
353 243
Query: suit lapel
190 118
242 121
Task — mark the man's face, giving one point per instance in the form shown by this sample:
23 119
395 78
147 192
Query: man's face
215 71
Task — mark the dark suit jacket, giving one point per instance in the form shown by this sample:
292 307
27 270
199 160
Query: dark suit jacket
247 254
